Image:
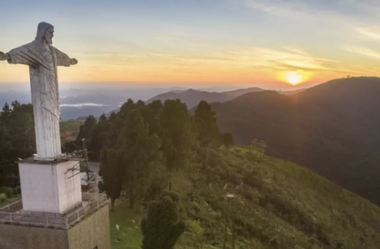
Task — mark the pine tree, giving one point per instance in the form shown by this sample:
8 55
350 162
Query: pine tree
207 129
155 110
175 134
139 156
98 137
112 174
114 125
227 139
87 128
162 228
126 107
17 139
86 134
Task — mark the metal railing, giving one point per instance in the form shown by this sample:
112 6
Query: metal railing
13 213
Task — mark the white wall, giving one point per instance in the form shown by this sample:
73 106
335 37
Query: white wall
69 187
46 187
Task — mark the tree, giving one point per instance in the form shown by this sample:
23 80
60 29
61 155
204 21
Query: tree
207 129
87 128
227 139
139 156
115 124
98 136
126 107
112 174
175 134
86 133
17 139
153 116
161 228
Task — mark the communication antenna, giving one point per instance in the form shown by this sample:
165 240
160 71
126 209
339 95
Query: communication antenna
86 159
76 156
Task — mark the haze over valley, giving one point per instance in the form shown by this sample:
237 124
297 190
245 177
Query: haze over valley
77 103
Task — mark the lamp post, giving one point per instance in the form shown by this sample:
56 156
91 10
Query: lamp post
227 213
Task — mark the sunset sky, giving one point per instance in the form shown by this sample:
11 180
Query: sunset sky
214 42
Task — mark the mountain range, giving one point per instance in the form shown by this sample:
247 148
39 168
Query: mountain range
192 97
332 128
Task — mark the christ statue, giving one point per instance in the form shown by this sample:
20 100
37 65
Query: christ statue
43 59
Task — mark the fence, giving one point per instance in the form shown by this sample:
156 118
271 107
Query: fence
13 214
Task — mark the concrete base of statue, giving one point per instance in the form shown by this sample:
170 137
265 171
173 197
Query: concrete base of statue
50 186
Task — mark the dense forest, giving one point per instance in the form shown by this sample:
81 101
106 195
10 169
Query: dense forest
142 145
198 189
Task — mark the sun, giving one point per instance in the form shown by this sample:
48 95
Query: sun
293 77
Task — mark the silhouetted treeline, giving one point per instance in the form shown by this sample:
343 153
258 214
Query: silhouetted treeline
17 140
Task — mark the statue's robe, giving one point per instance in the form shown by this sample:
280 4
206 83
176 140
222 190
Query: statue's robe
43 61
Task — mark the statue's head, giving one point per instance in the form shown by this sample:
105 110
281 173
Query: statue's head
45 33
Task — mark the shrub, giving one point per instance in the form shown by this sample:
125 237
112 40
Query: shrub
7 191
17 190
3 197
161 228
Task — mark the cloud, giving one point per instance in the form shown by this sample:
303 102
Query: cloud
363 51
252 58
297 9
290 58
372 32
294 8
344 13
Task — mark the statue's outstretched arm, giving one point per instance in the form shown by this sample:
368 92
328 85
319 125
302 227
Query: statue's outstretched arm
63 59
22 55
4 56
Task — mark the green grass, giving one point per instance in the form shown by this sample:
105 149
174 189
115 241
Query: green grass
279 206
9 201
129 232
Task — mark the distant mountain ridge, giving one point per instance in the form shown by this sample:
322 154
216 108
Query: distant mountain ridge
192 97
332 128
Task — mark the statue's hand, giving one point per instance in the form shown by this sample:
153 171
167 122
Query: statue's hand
3 56
73 61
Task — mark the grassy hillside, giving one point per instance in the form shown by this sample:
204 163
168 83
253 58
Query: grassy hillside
278 205
332 129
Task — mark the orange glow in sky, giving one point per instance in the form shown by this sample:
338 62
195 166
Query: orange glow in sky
250 42
294 77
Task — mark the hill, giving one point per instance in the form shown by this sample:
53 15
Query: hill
279 205
239 92
228 193
332 128
192 97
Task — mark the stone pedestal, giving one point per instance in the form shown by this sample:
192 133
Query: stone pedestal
89 233
52 187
